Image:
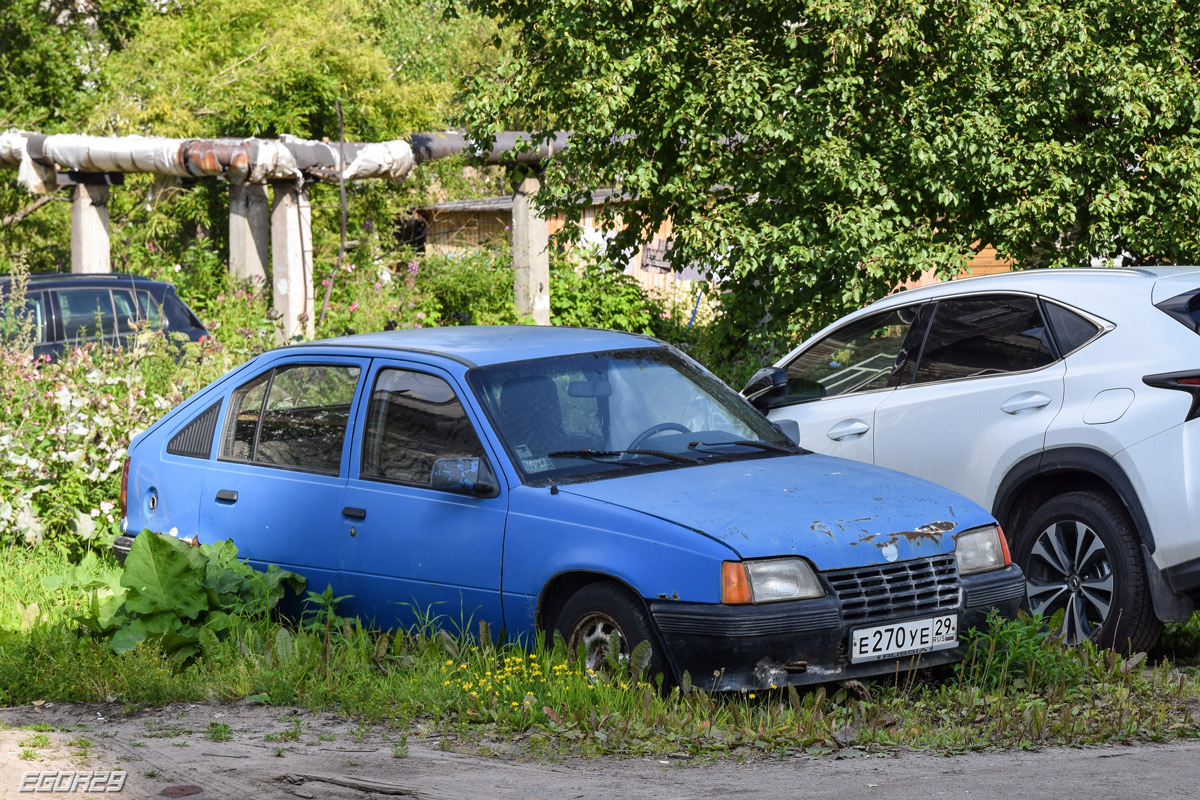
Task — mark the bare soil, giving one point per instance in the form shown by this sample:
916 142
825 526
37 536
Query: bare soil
171 752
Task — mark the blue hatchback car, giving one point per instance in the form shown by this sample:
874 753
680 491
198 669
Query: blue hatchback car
585 481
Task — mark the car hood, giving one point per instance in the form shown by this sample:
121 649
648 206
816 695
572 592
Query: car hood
834 512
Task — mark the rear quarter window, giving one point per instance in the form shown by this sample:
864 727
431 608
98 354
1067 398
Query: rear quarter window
1071 330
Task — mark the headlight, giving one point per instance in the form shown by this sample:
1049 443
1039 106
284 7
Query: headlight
982 549
768 581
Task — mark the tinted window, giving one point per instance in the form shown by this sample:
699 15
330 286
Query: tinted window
150 310
984 336
855 358
179 316
1184 308
86 313
17 321
413 420
127 312
292 417
1071 331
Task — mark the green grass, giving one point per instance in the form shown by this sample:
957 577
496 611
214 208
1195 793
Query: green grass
1017 688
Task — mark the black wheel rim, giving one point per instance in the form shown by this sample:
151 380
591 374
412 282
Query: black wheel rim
1069 570
591 635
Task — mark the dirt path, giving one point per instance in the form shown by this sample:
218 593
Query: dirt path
182 750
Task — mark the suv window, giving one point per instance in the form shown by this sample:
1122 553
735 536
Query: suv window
1071 330
413 420
985 335
90 313
857 357
14 318
293 417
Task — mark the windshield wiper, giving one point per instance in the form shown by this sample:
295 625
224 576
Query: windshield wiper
603 456
774 448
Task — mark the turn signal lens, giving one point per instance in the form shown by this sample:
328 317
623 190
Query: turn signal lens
125 487
735 586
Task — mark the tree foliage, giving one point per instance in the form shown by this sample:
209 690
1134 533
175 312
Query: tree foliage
50 51
261 68
237 68
814 154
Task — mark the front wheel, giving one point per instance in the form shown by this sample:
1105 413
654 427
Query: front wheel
1080 556
597 612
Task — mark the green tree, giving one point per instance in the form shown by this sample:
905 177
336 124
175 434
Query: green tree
50 51
814 154
261 68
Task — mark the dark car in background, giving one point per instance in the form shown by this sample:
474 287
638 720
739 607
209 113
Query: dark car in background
68 309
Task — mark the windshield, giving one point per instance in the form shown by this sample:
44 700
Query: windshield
581 417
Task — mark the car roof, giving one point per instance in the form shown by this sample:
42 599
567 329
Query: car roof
480 345
1066 280
70 278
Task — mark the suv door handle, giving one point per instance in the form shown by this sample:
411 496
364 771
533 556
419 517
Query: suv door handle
1025 401
227 496
354 513
847 428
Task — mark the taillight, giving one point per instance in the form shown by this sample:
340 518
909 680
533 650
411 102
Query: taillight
124 487
1186 381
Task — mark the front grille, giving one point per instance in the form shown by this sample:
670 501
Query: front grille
920 586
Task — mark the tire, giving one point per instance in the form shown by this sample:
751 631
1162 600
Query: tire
1081 555
595 612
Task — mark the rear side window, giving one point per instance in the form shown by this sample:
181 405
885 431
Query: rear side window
857 357
86 313
150 310
293 417
413 420
984 335
179 316
1071 330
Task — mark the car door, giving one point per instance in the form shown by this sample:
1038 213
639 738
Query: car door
411 553
276 487
987 384
836 383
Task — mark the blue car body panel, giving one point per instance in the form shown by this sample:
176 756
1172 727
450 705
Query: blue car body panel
835 513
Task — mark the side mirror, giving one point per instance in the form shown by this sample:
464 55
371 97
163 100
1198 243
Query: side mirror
789 428
464 476
767 388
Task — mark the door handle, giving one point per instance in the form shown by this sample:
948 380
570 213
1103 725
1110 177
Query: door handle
847 428
1025 401
354 513
226 496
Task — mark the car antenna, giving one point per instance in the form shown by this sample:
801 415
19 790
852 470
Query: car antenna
553 487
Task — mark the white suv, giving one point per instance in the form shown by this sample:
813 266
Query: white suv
1066 401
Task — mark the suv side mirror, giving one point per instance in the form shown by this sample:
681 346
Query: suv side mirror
464 476
767 388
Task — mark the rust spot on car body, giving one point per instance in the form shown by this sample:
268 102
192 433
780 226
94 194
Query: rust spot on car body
931 532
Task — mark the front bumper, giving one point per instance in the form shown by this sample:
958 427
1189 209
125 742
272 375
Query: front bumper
121 547
726 648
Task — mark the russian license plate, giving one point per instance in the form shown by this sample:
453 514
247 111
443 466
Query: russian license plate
899 639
